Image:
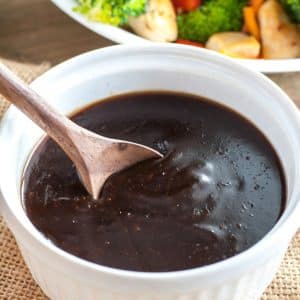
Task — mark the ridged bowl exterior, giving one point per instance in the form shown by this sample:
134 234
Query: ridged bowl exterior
60 286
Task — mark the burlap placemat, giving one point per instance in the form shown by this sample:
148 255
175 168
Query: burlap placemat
28 72
17 283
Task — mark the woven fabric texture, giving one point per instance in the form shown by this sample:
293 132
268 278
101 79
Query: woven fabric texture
28 72
17 283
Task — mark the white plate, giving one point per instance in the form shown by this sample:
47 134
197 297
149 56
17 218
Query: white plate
122 36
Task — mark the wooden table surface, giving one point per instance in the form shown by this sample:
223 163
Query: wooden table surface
35 31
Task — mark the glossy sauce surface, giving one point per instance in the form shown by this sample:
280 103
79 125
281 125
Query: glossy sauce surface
217 191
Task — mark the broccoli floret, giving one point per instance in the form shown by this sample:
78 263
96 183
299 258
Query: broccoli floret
292 8
111 12
135 8
212 16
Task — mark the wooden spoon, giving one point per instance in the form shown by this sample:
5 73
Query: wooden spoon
95 157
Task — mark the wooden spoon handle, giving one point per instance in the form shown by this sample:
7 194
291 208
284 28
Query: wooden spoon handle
33 105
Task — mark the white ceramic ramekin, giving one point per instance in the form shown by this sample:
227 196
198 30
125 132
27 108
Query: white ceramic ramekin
120 69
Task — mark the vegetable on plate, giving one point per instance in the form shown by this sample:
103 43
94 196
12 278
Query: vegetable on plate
158 23
267 29
186 5
212 16
280 37
110 12
234 44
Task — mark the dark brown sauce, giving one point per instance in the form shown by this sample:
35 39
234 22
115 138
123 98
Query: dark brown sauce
218 190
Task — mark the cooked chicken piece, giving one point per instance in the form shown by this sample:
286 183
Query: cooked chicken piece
280 37
235 44
158 23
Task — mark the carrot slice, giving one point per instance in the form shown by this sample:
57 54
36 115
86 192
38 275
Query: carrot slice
256 4
188 42
251 22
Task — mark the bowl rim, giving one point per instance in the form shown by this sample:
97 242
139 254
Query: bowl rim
287 223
